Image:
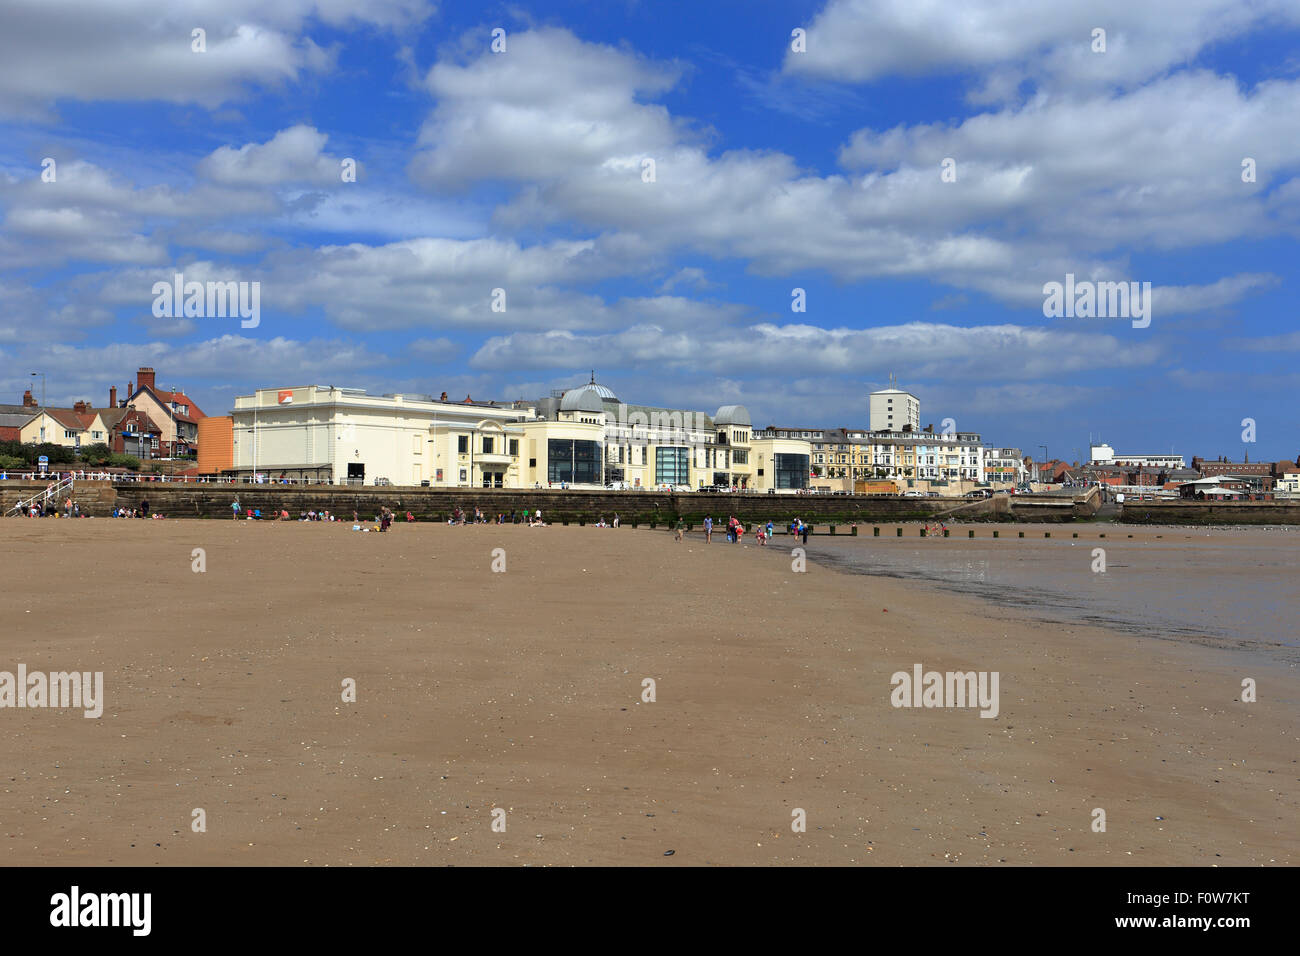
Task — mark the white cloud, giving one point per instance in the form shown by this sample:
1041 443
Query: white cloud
1162 169
293 155
929 350
864 40
551 105
141 50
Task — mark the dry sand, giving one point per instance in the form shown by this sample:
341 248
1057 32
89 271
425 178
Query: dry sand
522 690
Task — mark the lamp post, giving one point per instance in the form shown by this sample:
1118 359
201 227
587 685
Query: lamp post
42 375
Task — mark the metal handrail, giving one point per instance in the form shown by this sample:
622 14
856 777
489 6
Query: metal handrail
22 507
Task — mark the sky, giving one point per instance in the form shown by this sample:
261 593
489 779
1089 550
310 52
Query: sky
777 204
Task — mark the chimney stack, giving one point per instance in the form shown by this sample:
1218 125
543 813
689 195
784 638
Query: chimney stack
144 377
79 407
112 396
28 401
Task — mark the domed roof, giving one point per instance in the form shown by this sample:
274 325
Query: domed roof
583 399
732 415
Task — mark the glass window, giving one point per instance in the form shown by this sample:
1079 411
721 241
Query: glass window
573 461
462 444
514 447
487 446
673 465
791 471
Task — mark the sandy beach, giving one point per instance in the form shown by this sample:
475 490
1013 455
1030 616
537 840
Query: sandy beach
523 690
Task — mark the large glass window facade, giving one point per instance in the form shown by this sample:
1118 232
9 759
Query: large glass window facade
577 462
672 465
791 471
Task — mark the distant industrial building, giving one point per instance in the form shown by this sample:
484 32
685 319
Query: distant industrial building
1101 454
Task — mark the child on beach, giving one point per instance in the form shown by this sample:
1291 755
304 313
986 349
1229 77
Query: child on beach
708 530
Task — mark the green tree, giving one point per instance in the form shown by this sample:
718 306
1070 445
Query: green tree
96 454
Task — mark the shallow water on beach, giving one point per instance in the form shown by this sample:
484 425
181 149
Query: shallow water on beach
1233 585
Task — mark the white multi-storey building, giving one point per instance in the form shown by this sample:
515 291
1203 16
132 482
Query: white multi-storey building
892 409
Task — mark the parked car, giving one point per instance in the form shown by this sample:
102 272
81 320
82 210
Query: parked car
383 482
913 494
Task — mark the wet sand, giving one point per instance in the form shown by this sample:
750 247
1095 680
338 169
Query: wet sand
1232 587
522 691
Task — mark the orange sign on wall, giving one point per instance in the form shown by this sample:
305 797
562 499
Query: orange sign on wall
285 396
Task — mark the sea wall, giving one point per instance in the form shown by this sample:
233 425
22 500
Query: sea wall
1210 512
213 501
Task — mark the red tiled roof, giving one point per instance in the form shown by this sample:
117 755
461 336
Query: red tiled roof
166 399
70 419
141 418
180 398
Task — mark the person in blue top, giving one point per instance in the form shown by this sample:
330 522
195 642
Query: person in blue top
708 529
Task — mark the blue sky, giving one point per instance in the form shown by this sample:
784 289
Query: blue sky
774 170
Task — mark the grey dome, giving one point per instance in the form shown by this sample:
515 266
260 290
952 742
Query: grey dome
584 399
732 415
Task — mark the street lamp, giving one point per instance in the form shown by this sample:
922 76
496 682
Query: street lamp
42 375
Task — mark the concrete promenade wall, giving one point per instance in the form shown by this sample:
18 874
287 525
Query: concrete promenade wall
436 504
213 501
1210 512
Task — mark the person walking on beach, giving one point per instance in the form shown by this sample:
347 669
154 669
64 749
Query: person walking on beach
677 528
615 519
803 530
708 530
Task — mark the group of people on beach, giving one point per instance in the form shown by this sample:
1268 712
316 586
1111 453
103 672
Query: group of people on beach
529 516
141 512
735 530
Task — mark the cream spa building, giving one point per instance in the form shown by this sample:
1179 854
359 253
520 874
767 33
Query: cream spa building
343 435
582 437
